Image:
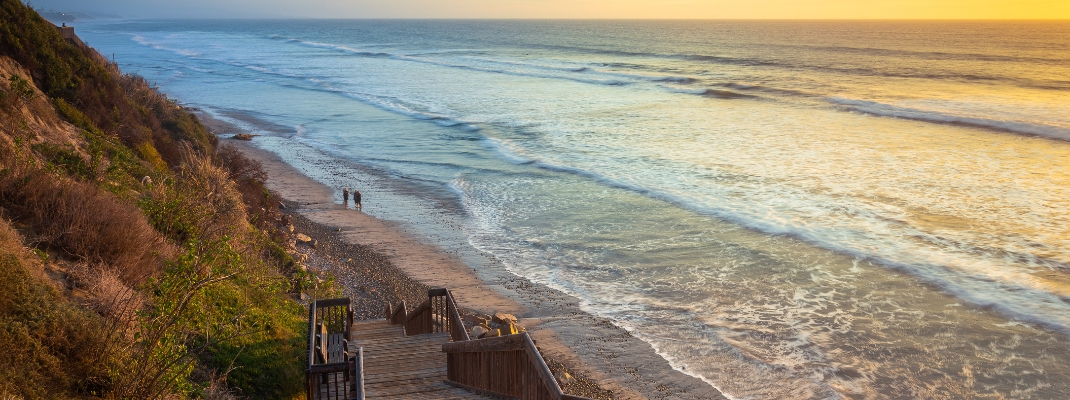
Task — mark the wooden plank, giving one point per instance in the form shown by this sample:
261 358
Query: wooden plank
437 292
500 343
403 367
344 301
336 348
540 366
430 372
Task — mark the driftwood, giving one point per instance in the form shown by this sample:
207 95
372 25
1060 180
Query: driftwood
244 136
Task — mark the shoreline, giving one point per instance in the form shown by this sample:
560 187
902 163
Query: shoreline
593 346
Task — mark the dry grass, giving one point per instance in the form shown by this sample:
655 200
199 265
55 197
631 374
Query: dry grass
51 348
86 223
249 177
107 294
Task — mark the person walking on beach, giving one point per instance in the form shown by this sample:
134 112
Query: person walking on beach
345 197
356 200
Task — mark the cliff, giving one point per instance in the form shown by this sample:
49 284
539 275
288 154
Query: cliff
138 257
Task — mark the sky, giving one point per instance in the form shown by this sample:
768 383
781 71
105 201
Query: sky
582 9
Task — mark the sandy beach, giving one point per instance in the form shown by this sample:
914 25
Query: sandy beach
591 346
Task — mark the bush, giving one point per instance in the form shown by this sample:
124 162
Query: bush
85 223
51 348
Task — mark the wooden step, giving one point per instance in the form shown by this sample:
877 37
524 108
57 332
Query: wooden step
403 367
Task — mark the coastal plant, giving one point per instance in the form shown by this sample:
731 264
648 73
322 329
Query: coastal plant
20 88
175 285
48 344
85 224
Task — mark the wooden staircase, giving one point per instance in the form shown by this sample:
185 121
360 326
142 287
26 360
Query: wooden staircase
403 367
423 354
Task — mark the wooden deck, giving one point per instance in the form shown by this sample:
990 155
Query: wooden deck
403 367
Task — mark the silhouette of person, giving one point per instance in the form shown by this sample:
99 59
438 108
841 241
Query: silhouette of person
345 197
356 200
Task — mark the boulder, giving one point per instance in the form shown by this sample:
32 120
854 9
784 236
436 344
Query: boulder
475 319
303 238
509 329
477 332
503 318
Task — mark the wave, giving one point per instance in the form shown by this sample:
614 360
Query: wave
933 55
1047 84
423 60
1017 127
344 49
396 106
591 70
1010 294
159 46
713 93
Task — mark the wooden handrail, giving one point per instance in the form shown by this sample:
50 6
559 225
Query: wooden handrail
324 303
358 371
394 316
541 368
311 349
439 313
508 365
457 331
423 307
500 343
469 366
328 318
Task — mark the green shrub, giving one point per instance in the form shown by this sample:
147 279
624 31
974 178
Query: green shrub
51 348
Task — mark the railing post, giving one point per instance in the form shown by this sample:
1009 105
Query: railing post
310 380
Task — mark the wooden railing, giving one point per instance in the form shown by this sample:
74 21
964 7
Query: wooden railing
508 366
436 314
328 375
505 365
356 374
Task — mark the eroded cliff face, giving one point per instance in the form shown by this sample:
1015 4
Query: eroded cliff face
27 115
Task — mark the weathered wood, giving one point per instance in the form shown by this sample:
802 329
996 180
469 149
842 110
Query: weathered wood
339 302
540 366
456 326
358 375
500 343
336 348
398 317
400 366
409 355
437 292
328 373
480 391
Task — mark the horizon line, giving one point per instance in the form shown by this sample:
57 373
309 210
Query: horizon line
576 19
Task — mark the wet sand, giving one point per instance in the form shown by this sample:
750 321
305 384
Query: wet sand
592 346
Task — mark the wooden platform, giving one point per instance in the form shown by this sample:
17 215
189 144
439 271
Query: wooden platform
403 367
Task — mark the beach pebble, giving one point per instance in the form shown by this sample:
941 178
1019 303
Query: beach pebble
303 238
563 378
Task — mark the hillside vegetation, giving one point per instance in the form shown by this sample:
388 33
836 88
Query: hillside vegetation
138 257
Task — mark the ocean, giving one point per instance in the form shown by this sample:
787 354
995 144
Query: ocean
783 209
